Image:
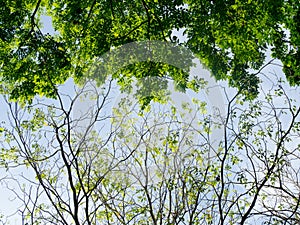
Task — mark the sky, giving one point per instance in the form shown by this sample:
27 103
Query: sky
215 98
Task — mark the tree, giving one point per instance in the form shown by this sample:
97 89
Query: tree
249 175
155 167
231 37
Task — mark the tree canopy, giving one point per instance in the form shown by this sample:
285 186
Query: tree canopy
230 37
112 164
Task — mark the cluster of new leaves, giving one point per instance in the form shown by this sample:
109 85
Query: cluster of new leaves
164 166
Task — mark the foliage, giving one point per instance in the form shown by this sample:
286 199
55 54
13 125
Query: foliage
230 37
160 166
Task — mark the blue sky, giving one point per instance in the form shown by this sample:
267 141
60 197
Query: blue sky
8 207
